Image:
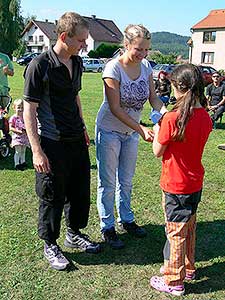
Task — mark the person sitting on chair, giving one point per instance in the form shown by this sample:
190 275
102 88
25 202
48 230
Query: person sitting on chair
163 87
215 94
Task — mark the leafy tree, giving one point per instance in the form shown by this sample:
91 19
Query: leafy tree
167 43
20 50
11 24
104 50
160 58
92 54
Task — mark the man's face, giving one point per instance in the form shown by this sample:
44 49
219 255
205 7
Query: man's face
74 44
215 78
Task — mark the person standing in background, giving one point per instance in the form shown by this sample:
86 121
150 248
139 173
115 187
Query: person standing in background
6 69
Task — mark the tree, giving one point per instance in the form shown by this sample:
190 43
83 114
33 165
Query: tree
11 25
160 58
103 50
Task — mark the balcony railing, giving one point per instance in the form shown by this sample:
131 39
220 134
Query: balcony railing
35 43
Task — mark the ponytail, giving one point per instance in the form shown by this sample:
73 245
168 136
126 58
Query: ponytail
188 80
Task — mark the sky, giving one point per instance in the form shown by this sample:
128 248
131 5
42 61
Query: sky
176 16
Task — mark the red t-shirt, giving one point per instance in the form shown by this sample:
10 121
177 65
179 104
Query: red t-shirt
182 170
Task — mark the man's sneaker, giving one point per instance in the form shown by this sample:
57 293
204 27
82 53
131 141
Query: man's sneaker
133 229
54 255
221 146
158 283
82 242
188 276
110 237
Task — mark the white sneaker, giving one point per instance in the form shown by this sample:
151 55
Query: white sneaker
54 255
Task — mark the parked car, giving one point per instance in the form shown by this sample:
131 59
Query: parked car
93 64
207 74
168 68
25 59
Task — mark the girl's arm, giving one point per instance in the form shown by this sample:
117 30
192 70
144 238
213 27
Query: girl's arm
158 149
13 128
112 90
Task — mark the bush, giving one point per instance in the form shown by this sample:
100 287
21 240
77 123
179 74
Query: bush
103 50
222 72
21 49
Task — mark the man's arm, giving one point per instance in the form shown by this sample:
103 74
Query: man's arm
81 115
221 103
40 160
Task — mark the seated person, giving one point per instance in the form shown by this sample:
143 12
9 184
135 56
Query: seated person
215 94
163 87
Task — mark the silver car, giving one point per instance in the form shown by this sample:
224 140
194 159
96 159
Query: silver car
93 64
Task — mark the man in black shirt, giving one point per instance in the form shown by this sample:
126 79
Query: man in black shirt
59 140
215 93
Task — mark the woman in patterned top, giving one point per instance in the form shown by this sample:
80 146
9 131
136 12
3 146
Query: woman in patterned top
128 84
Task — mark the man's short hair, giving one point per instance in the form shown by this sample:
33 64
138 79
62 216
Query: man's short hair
70 22
216 72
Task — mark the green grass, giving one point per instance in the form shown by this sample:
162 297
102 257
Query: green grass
111 275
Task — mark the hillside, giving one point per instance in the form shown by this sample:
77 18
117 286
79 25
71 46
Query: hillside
167 42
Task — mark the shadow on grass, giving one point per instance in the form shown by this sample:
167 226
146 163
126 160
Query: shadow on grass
8 162
210 247
209 279
220 125
137 251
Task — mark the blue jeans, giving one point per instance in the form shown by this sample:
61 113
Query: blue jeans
116 160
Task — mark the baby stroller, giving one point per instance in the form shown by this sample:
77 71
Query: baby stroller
5 137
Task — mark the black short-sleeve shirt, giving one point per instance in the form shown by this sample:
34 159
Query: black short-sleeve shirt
48 83
216 93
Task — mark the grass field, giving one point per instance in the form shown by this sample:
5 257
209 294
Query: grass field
110 275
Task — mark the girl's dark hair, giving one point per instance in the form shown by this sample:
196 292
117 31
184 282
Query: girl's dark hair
187 79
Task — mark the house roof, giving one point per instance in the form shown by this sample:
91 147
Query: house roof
100 29
104 30
48 28
215 19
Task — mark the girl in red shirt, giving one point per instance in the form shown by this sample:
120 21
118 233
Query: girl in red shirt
180 139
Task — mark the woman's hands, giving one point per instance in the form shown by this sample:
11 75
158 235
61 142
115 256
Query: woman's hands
146 133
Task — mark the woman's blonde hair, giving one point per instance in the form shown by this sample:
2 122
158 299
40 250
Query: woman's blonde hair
132 32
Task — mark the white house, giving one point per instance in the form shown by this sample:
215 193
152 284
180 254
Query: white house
207 43
40 36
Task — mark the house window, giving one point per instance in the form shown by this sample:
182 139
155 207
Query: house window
207 57
209 36
41 38
30 38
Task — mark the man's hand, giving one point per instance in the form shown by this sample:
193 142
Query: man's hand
40 162
6 69
87 139
213 107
